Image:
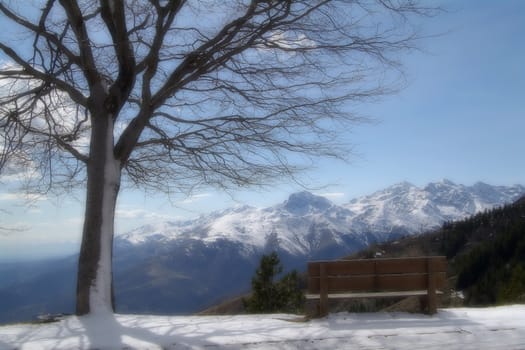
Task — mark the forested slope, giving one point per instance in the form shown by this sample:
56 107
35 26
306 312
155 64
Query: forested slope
486 254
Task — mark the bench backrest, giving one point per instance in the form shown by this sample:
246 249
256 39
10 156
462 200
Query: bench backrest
377 275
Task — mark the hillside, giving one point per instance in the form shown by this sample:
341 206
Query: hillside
486 253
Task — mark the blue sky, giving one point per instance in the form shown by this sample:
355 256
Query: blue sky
461 117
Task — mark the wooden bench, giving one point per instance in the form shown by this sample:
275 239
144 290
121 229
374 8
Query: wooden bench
377 278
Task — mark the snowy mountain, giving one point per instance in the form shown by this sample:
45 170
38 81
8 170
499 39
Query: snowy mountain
310 225
302 225
405 207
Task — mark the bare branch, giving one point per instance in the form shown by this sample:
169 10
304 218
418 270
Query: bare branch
237 92
29 71
78 25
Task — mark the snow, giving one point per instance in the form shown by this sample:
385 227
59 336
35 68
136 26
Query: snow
240 225
460 328
305 224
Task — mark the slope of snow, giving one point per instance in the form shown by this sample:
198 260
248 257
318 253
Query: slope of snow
462 329
306 222
285 224
417 209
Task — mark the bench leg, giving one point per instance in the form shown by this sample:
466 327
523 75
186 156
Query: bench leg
423 303
311 308
323 291
431 291
323 307
432 303
428 304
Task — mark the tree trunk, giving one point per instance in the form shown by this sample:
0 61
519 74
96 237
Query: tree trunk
94 278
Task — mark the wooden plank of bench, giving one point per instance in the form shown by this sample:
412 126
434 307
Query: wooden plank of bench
371 295
377 266
364 283
342 267
410 265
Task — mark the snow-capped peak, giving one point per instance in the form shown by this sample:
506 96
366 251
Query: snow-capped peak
306 223
302 203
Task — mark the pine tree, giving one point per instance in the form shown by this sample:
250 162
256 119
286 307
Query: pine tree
269 295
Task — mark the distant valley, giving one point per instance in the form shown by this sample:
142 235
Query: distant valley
182 267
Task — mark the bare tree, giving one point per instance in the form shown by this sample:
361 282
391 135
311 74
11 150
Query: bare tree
178 94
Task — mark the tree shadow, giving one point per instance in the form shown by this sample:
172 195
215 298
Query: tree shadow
5 346
232 332
396 320
150 332
114 332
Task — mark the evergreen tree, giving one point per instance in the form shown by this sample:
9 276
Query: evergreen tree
269 295
490 257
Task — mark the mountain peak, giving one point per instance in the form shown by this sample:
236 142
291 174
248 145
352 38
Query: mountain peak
404 185
447 182
302 203
443 185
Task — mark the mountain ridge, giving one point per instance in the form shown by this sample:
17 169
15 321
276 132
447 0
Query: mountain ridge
305 218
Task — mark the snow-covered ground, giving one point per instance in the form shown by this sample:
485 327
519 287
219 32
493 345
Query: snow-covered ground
462 328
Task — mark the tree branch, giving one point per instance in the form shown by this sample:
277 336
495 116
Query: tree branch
115 19
29 71
87 61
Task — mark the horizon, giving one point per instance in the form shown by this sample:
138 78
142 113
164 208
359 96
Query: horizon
461 117
66 250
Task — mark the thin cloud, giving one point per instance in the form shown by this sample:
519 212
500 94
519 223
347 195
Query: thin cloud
78 220
131 213
134 214
333 195
196 197
10 231
18 174
28 197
